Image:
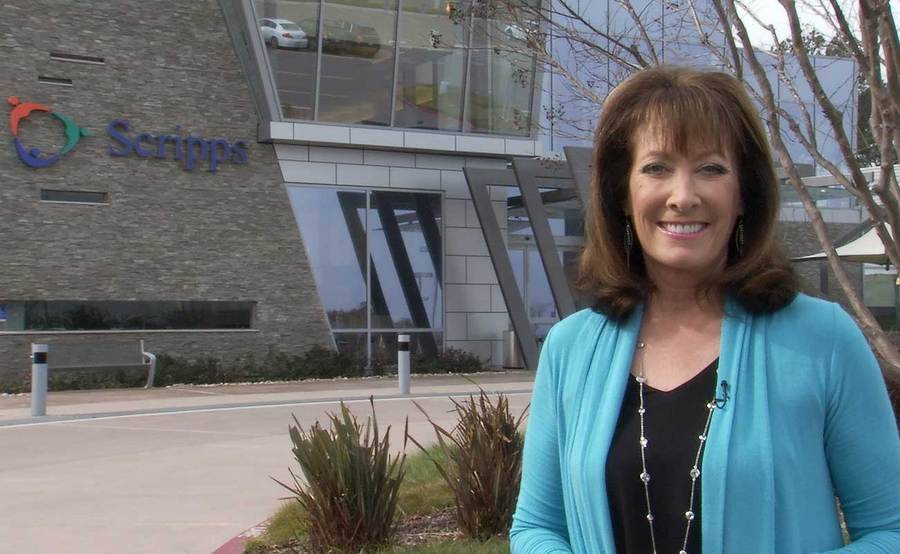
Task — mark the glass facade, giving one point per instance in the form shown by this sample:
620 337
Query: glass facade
566 220
292 59
401 63
502 76
357 61
431 68
377 261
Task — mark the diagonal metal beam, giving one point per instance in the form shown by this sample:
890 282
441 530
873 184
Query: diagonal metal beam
581 162
543 236
478 181
385 204
350 202
432 233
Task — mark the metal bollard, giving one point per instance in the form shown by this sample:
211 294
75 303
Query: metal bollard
403 362
39 379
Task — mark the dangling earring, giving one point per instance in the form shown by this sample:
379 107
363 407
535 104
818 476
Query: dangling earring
629 243
739 236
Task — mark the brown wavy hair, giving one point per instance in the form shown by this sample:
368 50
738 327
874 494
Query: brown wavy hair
689 108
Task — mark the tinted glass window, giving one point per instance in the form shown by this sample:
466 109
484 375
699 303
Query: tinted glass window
81 196
333 226
293 61
431 68
357 61
501 77
405 243
376 257
62 315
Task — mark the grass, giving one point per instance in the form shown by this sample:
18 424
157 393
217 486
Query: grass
422 492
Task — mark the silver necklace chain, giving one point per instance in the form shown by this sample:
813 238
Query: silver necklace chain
645 475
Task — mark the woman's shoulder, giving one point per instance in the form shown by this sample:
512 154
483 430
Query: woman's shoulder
817 320
808 310
573 328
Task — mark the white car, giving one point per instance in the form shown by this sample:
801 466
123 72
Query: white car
282 33
515 32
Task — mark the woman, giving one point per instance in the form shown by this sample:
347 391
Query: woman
703 405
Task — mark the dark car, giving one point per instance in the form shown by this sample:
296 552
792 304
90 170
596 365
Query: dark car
343 38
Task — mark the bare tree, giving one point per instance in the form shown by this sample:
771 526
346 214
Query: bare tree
569 44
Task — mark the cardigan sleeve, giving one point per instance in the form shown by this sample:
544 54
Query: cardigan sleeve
861 443
539 522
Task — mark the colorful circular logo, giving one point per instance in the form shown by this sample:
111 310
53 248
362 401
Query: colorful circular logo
34 157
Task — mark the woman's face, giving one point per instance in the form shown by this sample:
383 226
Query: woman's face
683 207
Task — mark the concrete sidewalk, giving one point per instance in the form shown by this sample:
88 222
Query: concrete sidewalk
183 469
16 409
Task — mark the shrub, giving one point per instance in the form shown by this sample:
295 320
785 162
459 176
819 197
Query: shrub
484 464
451 360
352 483
317 362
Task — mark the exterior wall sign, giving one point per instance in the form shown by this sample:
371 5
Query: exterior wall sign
191 150
33 157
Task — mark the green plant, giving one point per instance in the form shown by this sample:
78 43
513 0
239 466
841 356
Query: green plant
422 492
352 483
451 360
484 463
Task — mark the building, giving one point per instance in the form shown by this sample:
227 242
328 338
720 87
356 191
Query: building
228 177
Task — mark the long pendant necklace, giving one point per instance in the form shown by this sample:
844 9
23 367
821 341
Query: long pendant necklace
645 475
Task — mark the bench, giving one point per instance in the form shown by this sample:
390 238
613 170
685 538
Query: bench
100 355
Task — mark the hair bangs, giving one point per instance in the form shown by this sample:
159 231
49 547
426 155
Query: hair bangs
688 120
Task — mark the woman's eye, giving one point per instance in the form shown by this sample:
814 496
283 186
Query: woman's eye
653 169
714 169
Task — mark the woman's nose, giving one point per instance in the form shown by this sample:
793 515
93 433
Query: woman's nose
683 193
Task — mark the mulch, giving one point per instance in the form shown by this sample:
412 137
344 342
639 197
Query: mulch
414 530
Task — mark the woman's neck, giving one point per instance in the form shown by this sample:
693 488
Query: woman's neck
681 293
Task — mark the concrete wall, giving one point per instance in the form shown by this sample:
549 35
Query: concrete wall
166 233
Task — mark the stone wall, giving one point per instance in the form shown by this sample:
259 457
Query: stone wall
166 233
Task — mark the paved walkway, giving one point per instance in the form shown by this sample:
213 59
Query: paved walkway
181 469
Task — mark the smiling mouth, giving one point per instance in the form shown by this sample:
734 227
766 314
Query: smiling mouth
682 230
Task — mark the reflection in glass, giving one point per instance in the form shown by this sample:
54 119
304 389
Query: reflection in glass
541 305
357 61
394 245
353 345
384 349
405 243
564 213
431 70
332 224
288 29
501 77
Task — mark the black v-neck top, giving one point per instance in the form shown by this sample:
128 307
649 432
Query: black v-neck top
673 421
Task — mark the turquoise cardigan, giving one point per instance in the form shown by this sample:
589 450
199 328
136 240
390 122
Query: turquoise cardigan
808 418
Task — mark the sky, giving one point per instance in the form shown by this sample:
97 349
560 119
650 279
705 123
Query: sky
774 14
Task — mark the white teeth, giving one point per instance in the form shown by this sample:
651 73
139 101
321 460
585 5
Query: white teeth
682 229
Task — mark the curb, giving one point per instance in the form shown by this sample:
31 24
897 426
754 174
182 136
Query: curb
236 544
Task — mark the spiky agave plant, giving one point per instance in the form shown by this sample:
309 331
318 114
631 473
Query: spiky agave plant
351 482
484 463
